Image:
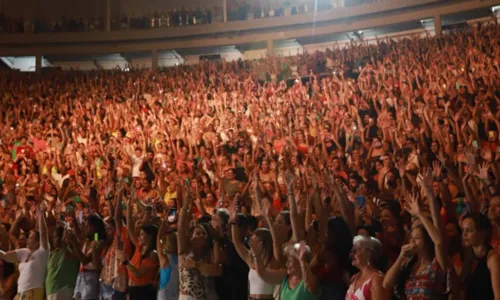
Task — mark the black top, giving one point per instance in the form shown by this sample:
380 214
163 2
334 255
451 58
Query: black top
233 284
479 281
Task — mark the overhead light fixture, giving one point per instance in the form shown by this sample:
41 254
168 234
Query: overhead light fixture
426 21
360 31
495 8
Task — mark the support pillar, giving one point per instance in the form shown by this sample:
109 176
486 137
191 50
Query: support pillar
108 15
437 26
270 48
38 63
154 60
224 10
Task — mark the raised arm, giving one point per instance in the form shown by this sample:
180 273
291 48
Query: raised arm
213 268
309 278
130 222
270 276
118 213
345 206
391 277
182 224
10 256
264 210
413 207
298 233
162 233
42 227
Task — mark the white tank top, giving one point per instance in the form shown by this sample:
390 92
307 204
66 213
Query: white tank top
259 286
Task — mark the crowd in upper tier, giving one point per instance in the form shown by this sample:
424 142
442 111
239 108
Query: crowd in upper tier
165 18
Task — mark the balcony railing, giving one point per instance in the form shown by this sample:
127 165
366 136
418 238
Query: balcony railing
176 18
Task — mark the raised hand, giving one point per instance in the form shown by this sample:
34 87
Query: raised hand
407 250
256 246
412 205
302 253
470 156
232 213
289 179
437 169
425 178
483 171
255 179
264 207
42 208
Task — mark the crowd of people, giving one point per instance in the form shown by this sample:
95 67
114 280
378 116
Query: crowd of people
251 9
236 11
11 25
166 18
377 181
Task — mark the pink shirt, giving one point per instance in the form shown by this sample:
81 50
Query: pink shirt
39 145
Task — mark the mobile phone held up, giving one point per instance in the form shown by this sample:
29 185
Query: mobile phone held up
171 215
360 201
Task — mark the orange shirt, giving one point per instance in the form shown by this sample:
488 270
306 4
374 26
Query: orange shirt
138 262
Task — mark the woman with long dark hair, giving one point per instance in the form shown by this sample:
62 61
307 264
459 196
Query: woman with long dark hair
482 271
87 282
332 261
199 257
259 289
420 270
143 266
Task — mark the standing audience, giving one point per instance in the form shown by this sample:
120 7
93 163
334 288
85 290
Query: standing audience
226 180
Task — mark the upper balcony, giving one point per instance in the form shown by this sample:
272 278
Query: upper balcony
294 22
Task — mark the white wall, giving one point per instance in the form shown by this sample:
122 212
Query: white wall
24 63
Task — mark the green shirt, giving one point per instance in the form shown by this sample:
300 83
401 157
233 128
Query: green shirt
300 292
61 272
